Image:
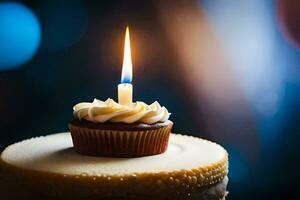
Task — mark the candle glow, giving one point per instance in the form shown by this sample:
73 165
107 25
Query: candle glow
125 88
127 64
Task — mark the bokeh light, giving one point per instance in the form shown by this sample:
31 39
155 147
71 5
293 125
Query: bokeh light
246 32
20 35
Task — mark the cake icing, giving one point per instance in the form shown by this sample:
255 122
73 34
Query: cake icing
110 111
54 153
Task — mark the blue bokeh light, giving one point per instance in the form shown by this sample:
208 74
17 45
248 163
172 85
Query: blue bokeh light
20 35
257 56
246 30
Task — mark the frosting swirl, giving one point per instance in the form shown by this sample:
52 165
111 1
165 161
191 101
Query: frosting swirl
110 111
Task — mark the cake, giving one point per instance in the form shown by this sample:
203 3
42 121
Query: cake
49 168
107 128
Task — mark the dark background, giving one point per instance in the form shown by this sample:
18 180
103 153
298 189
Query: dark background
228 71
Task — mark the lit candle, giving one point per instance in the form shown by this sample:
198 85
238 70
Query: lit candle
125 87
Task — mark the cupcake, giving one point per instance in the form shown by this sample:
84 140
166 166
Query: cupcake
107 128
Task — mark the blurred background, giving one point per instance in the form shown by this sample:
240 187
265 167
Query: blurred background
228 71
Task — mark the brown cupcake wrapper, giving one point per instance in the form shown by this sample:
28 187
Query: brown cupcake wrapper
119 143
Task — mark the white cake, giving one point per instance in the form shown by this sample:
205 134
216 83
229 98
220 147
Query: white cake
191 168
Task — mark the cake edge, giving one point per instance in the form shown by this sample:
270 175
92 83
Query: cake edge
200 177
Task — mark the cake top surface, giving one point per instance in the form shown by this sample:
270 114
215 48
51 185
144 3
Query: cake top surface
110 111
55 154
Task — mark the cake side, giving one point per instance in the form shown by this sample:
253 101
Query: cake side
17 183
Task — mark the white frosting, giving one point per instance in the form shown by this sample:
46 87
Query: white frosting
110 111
54 153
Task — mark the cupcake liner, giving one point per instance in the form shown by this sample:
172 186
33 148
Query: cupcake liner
119 143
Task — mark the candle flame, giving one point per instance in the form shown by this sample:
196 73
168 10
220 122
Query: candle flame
127 65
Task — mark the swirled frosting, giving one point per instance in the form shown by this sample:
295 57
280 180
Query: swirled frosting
110 111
